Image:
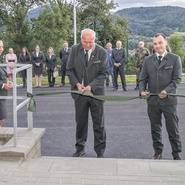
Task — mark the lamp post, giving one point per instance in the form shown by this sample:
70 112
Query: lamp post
74 17
126 55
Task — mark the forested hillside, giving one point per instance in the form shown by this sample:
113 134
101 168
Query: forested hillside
146 21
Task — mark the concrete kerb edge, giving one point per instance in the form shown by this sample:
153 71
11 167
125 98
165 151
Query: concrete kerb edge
27 140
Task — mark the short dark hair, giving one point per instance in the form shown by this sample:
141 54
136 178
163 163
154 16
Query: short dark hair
160 34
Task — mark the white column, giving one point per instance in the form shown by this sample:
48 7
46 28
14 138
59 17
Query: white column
74 15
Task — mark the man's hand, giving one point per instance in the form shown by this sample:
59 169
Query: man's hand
163 94
116 64
80 87
87 88
8 85
144 93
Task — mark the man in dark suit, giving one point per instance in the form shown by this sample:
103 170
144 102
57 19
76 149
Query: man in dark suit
162 72
4 87
118 57
87 69
64 54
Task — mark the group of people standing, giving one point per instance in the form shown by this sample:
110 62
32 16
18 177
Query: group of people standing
87 68
50 60
116 59
161 72
39 61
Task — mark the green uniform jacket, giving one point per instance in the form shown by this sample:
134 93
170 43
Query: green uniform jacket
165 76
97 68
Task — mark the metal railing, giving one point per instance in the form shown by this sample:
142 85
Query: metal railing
16 106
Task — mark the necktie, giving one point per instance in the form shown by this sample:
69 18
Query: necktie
86 58
85 72
159 59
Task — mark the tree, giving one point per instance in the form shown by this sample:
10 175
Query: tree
176 43
177 46
91 12
53 26
95 14
13 19
118 30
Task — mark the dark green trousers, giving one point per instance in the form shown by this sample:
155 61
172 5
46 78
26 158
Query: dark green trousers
82 106
171 120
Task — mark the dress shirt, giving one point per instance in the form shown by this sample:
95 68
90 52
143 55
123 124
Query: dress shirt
163 55
89 52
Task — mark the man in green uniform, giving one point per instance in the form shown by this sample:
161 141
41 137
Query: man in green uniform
140 55
161 73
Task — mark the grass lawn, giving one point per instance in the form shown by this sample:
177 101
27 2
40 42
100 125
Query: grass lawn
129 79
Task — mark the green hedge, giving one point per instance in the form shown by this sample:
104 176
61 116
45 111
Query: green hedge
129 79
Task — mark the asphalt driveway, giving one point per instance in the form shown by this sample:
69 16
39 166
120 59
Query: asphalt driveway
127 124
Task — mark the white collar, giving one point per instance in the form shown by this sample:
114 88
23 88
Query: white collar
163 55
91 50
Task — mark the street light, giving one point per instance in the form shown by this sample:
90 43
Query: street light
74 17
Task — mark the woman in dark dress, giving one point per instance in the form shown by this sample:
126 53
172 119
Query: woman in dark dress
4 87
51 66
24 58
38 60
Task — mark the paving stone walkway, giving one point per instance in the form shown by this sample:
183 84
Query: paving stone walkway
91 171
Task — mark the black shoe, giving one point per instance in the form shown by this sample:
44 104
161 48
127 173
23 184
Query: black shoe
157 156
176 157
100 156
79 153
115 89
125 89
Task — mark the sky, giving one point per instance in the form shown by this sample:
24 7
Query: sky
146 3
